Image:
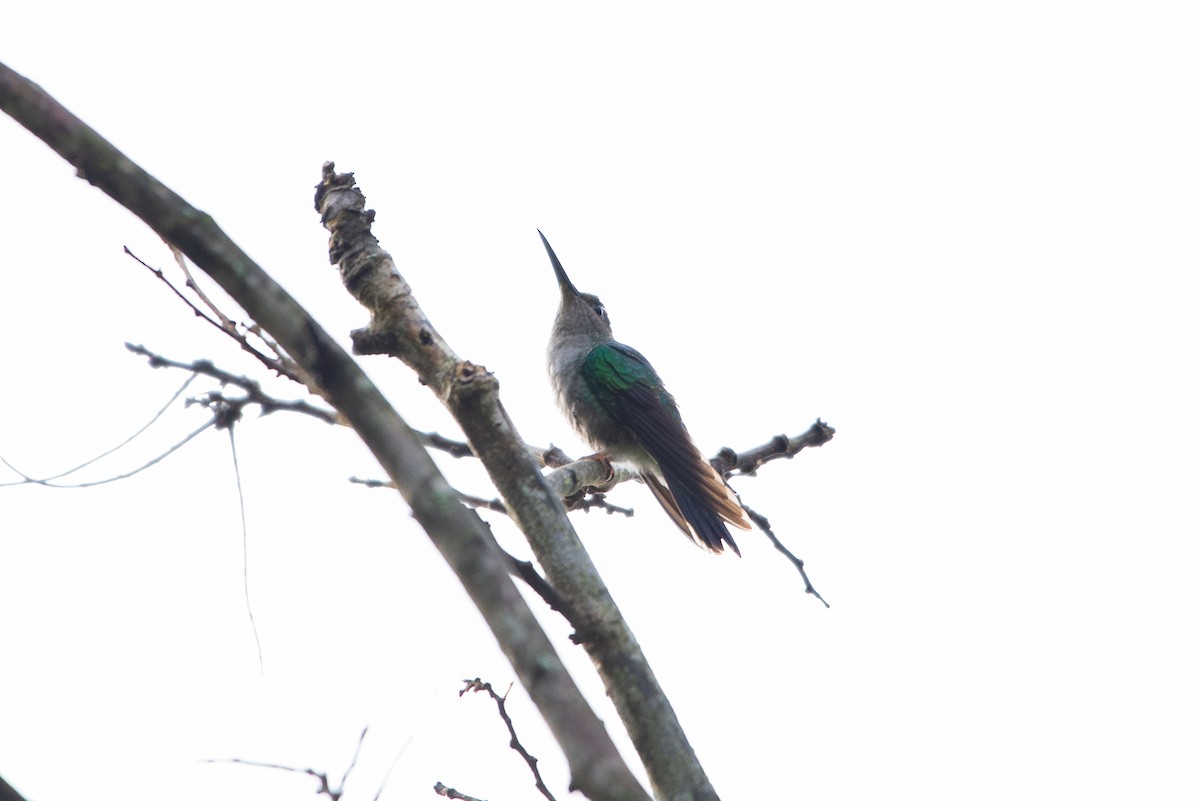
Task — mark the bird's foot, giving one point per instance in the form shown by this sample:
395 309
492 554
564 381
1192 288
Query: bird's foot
605 482
605 459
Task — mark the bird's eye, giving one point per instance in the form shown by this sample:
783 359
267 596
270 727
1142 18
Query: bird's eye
599 310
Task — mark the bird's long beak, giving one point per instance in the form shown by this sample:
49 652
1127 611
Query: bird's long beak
564 283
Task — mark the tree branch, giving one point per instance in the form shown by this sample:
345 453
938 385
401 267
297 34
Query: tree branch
8 792
254 391
780 447
278 362
398 327
478 685
462 538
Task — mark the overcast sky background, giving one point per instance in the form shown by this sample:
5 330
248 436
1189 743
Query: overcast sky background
965 236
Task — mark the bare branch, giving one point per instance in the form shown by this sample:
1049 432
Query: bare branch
26 479
780 447
461 537
227 325
453 447
324 788
521 569
572 480
477 685
254 391
278 363
237 475
398 327
528 573
115 448
764 525
581 483
391 767
8 792
600 501
494 505
450 792
354 759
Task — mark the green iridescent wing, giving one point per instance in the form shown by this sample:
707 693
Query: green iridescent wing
626 386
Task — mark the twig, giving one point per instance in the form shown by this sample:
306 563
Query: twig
521 569
453 447
45 482
227 325
782 446
322 778
597 768
477 685
599 500
279 361
372 483
495 504
119 445
253 390
517 567
392 766
237 474
223 324
353 759
528 573
765 526
450 792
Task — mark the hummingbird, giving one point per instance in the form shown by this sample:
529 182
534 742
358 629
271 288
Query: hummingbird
615 400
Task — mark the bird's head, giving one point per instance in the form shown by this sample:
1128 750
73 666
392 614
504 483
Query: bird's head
579 314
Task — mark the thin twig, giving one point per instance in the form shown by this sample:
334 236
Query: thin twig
254 391
279 362
325 787
121 444
160 275
392 766
47 482
599 500
495 504
354 759
521 569
478 685
237 474
227 324
322 779
450 792
765 526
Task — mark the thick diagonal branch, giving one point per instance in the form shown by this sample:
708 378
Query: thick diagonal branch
398 327
459 534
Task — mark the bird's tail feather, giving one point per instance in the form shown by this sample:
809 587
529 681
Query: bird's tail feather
697 517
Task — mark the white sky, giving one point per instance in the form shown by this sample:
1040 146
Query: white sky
964 236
